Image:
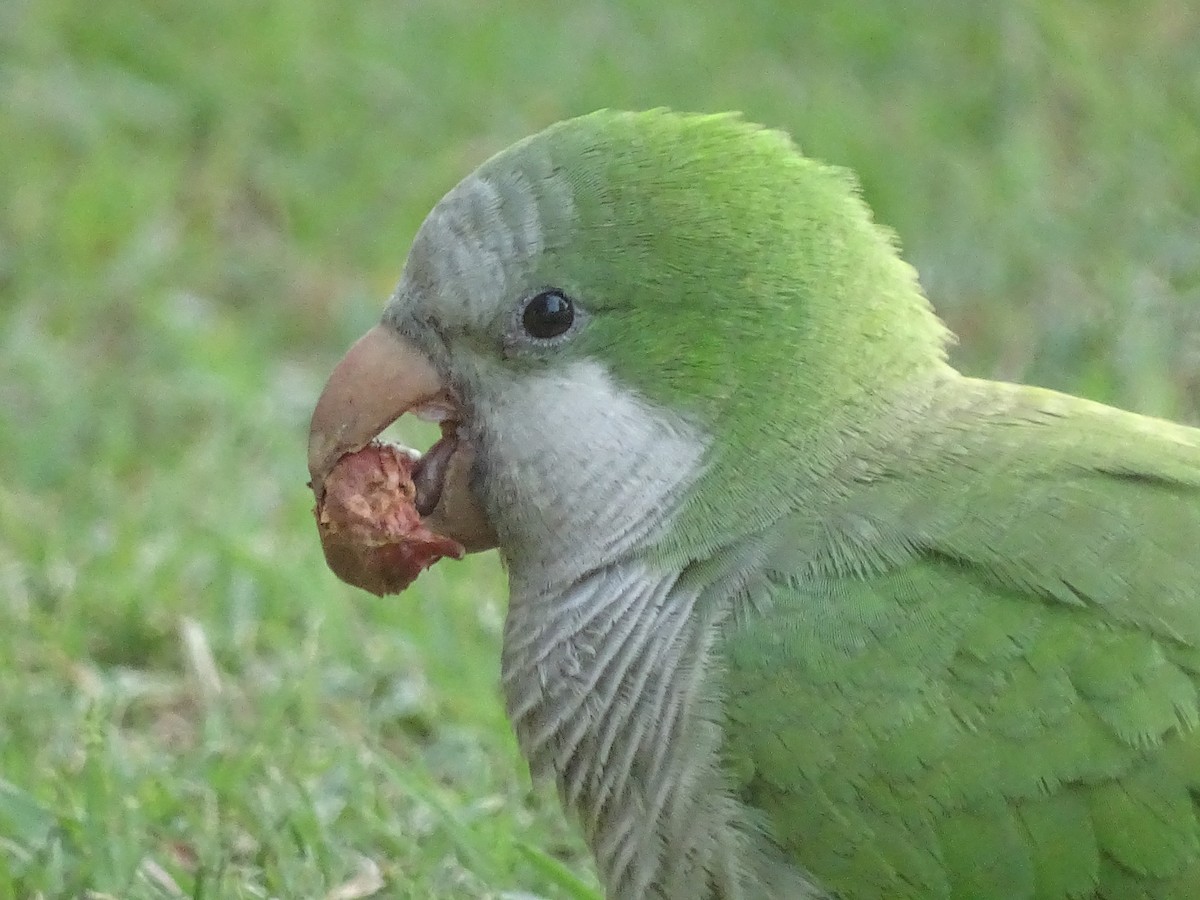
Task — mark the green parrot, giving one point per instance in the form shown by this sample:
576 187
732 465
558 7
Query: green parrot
796 609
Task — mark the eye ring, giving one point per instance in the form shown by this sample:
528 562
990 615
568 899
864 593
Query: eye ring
548 314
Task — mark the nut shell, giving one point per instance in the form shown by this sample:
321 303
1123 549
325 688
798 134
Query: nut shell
371 532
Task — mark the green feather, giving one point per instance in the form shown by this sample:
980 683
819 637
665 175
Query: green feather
977 679
1066 854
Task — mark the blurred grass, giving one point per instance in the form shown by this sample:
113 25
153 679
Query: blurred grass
202 204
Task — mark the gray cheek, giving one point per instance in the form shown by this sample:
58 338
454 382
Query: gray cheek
577 471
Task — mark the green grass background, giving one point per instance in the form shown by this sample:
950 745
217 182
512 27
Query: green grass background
202 204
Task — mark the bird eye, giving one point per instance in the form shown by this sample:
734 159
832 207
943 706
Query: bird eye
547 315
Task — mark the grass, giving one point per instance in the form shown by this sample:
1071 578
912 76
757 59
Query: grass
203 204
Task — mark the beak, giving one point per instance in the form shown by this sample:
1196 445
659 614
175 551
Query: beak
379 379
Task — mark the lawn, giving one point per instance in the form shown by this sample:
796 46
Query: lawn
202 204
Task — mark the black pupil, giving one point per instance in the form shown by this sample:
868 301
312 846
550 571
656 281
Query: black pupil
548 315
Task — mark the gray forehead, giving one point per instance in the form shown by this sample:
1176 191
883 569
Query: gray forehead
484 239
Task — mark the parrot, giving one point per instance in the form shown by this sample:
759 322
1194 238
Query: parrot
796 609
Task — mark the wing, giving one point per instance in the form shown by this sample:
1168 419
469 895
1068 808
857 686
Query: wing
978 676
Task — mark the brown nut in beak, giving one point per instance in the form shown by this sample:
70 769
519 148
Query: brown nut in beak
379 379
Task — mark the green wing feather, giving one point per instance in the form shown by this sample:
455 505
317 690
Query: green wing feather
975 672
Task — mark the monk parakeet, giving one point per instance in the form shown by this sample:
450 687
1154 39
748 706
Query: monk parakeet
796 609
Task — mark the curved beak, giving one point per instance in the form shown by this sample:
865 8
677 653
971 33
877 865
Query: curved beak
381 377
